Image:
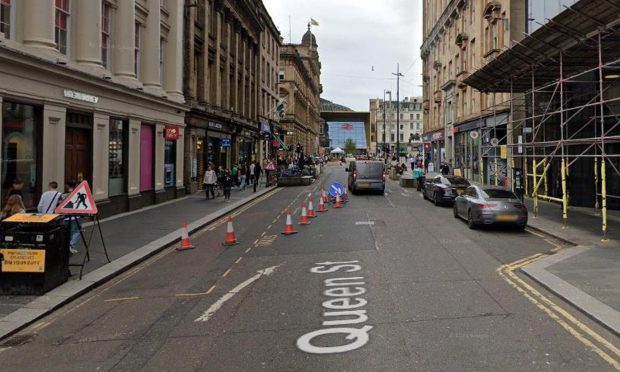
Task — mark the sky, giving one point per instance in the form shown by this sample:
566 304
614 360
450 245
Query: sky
360 43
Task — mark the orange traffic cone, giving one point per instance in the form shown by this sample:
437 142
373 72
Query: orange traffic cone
185 243
322 207
289 229
338 203
345 196
311 213
304 215
231 239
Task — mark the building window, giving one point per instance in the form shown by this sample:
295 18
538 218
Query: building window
282 75
117 163
170 156
137 45
105 34
410 116
402 137
410 126
392 137
21 151
61 30
5 18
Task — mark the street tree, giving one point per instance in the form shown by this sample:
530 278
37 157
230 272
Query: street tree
349 146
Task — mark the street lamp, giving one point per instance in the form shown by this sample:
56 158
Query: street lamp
389 93
398 76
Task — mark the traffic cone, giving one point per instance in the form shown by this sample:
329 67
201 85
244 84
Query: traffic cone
345 196
289 229
322 207
185 243
231 239
304 215
338 203
311 213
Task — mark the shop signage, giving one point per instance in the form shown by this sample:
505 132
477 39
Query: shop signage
171 133
527 130
474 134
225 142
438 136
23 260
80 96
427 146
264 127
503 151
494 142
214 125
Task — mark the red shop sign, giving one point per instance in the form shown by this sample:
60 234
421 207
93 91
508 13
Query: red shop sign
172 133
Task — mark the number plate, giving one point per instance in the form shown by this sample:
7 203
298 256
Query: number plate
459 191
505 218
362 184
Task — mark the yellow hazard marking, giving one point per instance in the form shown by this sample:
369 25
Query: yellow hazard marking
195 294
226 273
122 299
558 314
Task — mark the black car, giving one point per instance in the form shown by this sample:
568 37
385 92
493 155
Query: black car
366 175
444 189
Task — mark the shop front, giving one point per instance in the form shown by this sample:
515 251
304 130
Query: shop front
434 148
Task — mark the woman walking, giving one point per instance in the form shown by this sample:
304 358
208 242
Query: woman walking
14 205
227 182
209 181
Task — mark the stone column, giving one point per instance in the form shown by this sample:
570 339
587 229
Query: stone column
38 23
101 142
174 53
124 30
159 157
243 65
150 50
218 99
87 32
180 166
133 158
54 125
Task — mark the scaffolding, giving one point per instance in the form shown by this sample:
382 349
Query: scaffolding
563 126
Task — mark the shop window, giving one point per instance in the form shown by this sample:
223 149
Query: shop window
117 172
21 151
61 34
105 33
162 60
136 52
170 156
5 18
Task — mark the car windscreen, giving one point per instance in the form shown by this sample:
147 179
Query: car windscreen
369 170
451 180
498 194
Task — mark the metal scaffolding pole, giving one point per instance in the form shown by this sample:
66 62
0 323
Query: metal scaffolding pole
603 160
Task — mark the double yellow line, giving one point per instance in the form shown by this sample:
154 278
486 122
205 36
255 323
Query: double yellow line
592 340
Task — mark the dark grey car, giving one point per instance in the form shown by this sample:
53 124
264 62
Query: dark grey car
489 205
366 175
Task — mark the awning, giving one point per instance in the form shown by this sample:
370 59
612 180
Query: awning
574 32
337 150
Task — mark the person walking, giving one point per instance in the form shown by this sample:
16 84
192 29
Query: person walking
256 175
234 173
72 221
210 178
251 172
49 199
227 183
14 205
242 175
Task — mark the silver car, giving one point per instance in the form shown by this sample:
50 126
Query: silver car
488 205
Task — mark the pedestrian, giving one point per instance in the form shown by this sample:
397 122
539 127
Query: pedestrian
210 178
234 172
227 183
430 167
16 189
49 200
256 175
14 205
242 175
73 222
251 170
444 168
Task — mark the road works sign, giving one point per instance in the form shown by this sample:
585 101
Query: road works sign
80 201
23 260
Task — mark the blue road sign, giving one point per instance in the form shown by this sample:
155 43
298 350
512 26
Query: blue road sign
335 189
225 142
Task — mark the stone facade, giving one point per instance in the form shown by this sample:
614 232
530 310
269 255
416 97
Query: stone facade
410 121
300 88
460 36
88 91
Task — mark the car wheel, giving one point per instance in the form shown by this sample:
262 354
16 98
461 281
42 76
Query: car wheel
521 227
436 199
424 195
455 211
470 220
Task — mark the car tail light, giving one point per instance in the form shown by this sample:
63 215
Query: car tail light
354 174
383 176
487 206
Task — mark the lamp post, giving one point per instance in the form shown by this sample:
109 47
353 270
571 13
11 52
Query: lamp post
398 76
389 93
383 145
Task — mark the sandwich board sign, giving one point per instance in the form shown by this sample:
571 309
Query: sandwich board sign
80 201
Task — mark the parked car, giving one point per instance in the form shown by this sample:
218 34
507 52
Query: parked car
490 205
366 175
444 189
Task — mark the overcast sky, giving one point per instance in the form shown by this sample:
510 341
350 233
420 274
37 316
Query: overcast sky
355 36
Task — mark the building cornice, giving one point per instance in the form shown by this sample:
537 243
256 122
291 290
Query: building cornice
445 19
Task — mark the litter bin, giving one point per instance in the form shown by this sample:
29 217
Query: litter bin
34 253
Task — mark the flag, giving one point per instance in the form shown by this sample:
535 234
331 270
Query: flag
314 22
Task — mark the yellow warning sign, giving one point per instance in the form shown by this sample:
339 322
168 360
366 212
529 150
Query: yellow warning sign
503 151
23 260
31 218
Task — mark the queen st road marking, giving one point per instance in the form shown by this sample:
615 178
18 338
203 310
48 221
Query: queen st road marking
555 312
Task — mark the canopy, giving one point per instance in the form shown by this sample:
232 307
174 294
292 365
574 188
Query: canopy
337 150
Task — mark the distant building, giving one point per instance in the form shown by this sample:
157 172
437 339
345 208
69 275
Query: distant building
342 123
300 88
410 122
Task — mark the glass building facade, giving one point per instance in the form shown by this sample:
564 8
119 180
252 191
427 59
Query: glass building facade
538 11
340 131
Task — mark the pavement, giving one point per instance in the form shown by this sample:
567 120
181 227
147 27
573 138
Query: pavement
130 238
387 283
588 274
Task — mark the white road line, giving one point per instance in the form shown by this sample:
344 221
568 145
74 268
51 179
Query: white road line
365 222
219 303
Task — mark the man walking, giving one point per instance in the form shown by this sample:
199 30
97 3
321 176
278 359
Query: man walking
256 175
209 181
49 199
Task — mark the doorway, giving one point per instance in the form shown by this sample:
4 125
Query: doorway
78 156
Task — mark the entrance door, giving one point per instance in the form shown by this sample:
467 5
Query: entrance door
77 155
147 158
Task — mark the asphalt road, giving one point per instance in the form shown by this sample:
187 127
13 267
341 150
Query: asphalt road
387 283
